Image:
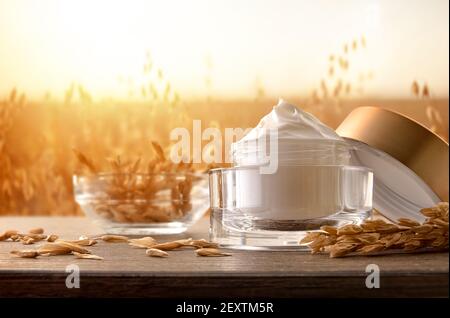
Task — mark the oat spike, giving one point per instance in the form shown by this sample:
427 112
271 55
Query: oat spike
85 161
159 151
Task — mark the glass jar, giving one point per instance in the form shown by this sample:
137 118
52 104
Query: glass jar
251 210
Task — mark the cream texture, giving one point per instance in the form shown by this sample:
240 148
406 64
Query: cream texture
302 140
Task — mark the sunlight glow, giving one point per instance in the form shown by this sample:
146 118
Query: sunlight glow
281 45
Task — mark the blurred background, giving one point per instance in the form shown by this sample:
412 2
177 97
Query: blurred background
108 77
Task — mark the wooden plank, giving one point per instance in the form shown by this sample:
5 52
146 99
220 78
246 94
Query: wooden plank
129 272
43 285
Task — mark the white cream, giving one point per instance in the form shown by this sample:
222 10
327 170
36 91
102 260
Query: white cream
301 188
302 140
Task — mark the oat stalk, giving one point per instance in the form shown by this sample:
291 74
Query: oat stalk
374 237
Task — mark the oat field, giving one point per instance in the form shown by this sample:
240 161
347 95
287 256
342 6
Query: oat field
37 139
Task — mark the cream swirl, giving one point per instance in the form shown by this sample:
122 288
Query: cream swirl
302 140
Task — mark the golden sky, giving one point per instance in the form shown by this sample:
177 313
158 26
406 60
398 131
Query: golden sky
282 45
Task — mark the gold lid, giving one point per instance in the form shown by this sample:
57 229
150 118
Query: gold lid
406 140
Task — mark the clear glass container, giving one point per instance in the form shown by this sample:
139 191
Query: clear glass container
250 210
143 204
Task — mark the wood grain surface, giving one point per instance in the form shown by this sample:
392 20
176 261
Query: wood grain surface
128 272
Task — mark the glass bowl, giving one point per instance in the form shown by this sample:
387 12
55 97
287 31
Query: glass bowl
143 204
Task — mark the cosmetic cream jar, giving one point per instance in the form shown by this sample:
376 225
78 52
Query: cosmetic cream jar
290 175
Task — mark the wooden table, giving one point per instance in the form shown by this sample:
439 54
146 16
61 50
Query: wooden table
128 272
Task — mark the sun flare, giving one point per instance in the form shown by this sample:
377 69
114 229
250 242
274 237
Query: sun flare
236 47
